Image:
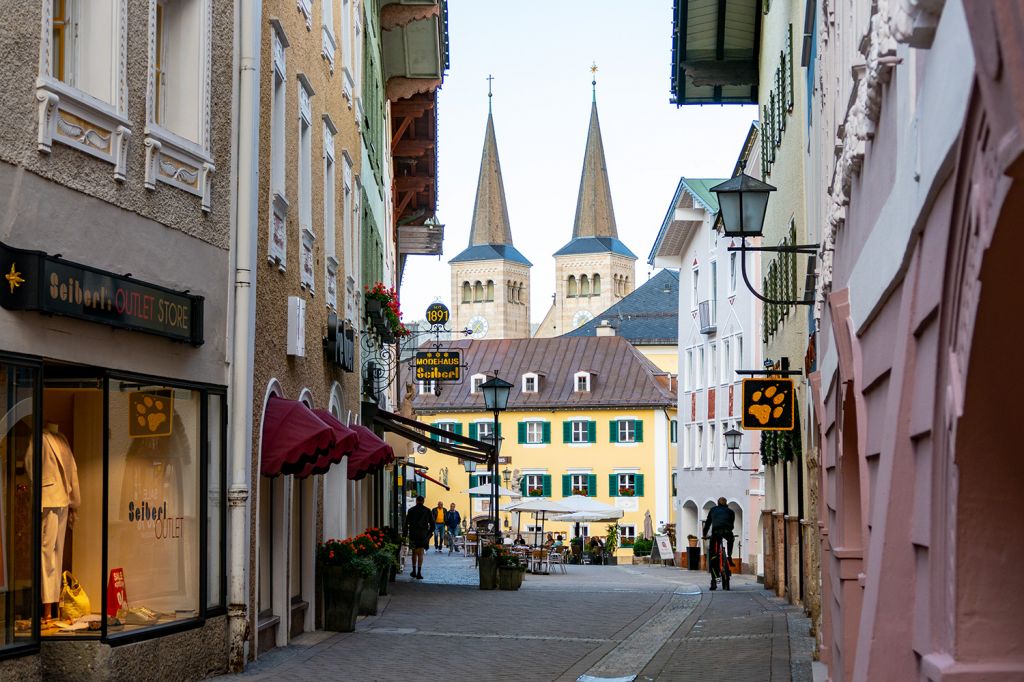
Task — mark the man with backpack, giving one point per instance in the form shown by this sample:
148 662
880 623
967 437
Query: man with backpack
419 526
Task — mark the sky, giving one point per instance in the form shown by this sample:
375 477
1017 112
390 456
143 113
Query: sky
540 53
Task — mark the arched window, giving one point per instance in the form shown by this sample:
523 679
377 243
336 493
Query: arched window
596 284
519 293
572 287
508 292
478 291
584 285
467 292
490 290
625 285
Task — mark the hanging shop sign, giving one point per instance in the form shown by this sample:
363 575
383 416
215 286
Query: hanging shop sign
768 404
34 280
151 414
340 343
438 365
438 314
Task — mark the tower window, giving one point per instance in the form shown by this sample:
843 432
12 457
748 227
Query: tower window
584 286
596 284
490 290
467 292
478 292
572 287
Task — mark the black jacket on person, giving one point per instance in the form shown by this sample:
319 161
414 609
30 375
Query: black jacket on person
720 520
419 523
452 518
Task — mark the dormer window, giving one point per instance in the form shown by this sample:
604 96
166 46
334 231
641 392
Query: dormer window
426 387
531 383
582 382
475 381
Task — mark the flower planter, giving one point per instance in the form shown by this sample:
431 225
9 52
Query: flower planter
519 576
341 593
488 573
508 578
374 309
691 542
382 581
368 596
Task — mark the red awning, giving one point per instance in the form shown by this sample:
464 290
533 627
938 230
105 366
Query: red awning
432 480
371 453
345 441
293 437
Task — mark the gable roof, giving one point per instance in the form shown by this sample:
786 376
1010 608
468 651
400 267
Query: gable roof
622 376
595 245
673 233
649 315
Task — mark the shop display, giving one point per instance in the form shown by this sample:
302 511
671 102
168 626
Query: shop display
74 602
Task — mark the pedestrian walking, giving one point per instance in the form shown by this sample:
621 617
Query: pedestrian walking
452 519
438 515
418 526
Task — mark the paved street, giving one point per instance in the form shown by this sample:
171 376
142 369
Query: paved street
596 622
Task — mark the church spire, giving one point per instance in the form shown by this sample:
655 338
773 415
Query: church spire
490 212
595 216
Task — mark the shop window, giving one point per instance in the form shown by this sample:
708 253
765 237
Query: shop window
18 431
627 535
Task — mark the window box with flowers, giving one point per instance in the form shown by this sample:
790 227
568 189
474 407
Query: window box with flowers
536 491
384 312
626 492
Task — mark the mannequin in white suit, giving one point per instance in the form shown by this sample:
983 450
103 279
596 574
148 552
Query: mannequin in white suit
61 498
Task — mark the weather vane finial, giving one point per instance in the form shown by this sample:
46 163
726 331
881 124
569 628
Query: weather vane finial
593 77
489 95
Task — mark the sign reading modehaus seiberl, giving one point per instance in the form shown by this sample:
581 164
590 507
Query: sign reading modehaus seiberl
34 280
438 365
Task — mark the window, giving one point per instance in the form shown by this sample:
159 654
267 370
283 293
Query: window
85 51
578 431
726 360
596 284
694 289
452 427
475 381
484 430
327 42
713 449
534 432
733 265
582 382
688 447
626 485
179 59
690 383
467 292
478 480
738 352
490 290
478 292
698 452
425 387
530 383
277 249
700 367
627 535
571 292
534 485
330 209
673 431
347 63
724 452
675 490
584 285
305 176
713 374
714 289
626 431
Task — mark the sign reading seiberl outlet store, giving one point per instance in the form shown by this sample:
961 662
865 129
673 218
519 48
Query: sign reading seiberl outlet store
34 280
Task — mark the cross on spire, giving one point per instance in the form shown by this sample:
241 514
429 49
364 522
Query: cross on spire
593 77
489 94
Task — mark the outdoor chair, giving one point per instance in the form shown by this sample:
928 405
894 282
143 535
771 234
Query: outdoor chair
557 558
470 544
539 561
459 543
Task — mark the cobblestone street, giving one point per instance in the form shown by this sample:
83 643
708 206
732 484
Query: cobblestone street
595 622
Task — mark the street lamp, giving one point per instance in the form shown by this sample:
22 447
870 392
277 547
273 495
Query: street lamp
732 443
742 203
496 392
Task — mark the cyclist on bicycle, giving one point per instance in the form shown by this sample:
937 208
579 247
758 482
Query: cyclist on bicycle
720 522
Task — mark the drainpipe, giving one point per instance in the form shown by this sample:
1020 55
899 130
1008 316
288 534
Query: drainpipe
246 174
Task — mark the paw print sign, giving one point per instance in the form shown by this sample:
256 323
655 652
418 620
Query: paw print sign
768 404
149 414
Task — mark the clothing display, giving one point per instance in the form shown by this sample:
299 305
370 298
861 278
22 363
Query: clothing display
61 496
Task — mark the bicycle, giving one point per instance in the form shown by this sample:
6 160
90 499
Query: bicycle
718 561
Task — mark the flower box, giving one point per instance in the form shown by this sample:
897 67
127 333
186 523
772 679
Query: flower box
535 492
626 492
581 491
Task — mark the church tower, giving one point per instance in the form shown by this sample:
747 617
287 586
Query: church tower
594 270
490 278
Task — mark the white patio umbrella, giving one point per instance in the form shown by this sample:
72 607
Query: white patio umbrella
613 514
540 506
485 489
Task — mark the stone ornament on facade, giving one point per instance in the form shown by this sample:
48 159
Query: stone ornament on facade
306 8
914 21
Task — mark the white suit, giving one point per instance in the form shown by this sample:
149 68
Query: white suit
59 492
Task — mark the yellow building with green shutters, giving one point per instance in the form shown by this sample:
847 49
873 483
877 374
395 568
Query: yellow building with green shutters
586 415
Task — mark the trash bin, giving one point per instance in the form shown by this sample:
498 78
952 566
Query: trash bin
693 558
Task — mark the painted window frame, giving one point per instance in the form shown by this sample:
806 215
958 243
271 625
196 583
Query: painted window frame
585 376
305 181
531 376
579 425
277 244
534 432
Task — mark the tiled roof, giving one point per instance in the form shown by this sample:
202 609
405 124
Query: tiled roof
649 315
621 375
595 245
491 252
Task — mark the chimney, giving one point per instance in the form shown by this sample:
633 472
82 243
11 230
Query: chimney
605 329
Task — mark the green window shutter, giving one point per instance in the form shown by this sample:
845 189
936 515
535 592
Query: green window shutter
592 432
545 432
474 429
566 432
613 485
639 430
522 486
434 436
638 480
458 428
474 480
421 488
566 485
591 485
547 485
522 433
499 430
613 431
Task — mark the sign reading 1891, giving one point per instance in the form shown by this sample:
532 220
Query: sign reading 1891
439 365
437 314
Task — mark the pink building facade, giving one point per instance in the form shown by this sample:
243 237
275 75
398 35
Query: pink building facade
912 178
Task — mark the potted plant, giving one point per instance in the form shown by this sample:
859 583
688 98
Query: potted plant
365 547
691 540
509 575
611 543
642 547
386 559
342 572
488 564
385 313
